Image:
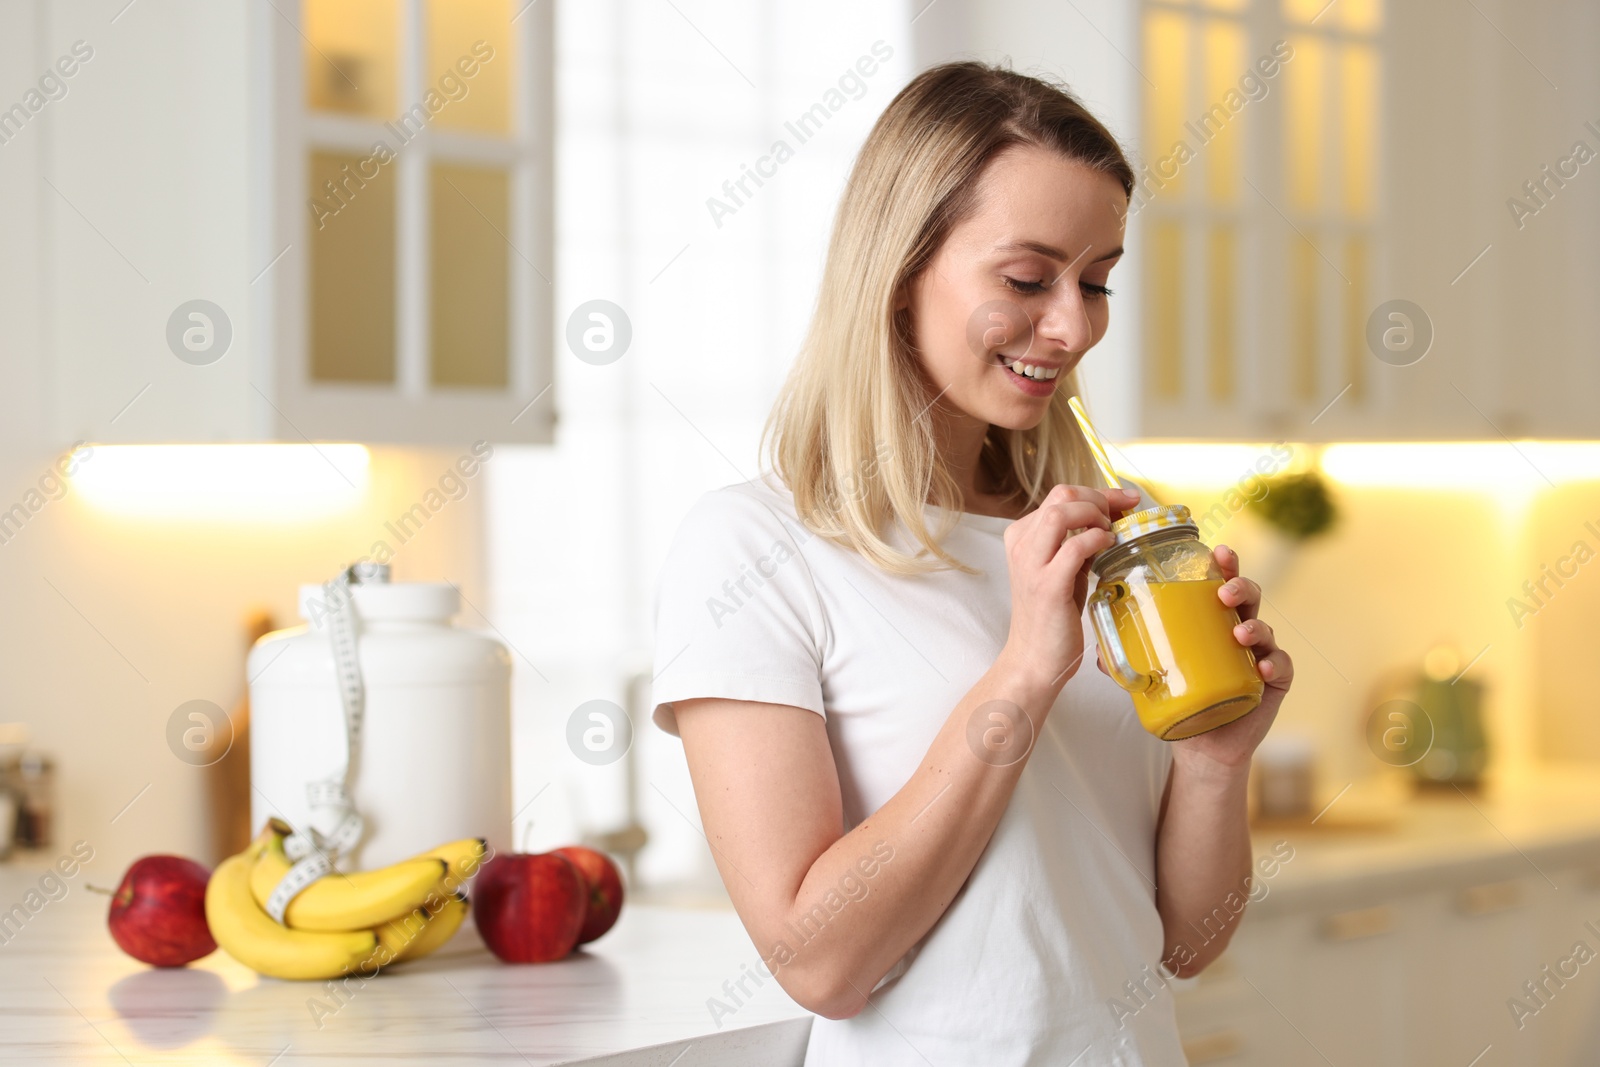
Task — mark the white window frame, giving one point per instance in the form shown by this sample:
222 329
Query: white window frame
411 410
1265 401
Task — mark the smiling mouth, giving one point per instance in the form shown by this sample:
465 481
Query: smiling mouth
1031 371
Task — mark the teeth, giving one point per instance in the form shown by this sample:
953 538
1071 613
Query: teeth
1029 370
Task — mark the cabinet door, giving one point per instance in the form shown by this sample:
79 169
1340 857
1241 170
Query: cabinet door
1473 947
1569 1025
144 330
1389 241
1427 980
243 263
1219 1015
411 183
1330 985
1259 222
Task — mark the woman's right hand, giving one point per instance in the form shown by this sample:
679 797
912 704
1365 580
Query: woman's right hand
1050 577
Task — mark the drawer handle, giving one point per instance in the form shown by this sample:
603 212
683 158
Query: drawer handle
1490 898
1354 925
1209 1048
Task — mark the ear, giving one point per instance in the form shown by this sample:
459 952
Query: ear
902 294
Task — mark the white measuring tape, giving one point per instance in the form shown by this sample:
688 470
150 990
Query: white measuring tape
335 825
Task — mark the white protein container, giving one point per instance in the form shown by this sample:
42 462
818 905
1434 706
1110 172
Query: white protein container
435 759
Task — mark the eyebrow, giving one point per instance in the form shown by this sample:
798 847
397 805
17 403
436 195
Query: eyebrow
1048 250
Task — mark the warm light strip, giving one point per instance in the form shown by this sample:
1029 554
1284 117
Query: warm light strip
1492 466
1198 464
254 482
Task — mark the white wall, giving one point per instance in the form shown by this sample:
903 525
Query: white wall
112 621
1090 46
21 210
142 201
652 122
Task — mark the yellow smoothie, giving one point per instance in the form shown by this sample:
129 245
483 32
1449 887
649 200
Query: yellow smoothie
1183 635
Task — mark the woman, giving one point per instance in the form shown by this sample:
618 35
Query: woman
842 642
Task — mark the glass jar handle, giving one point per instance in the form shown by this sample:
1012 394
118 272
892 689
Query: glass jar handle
1116 657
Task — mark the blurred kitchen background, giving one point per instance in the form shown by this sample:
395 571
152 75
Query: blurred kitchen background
1364 230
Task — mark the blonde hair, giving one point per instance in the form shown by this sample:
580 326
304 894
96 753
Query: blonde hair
848 434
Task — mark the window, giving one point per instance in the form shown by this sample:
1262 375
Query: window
1259 188
414 148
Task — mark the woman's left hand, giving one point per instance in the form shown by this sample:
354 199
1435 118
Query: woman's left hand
1232 745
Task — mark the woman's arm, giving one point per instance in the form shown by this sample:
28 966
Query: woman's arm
768 789
780 844
1203 835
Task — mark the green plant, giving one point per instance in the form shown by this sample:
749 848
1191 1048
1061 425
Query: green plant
1299 505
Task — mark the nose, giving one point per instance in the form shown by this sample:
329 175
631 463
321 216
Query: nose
1066 321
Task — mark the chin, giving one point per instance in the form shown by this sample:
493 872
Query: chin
999 404
1017 413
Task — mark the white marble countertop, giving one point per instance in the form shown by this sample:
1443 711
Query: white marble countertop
1382 840
637 996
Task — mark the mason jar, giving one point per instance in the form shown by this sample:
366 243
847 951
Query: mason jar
1164 635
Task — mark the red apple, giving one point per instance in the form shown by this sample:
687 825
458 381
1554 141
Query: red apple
529 907
158 913
605 889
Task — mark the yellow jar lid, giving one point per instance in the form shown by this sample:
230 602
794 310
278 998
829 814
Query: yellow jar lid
1136 525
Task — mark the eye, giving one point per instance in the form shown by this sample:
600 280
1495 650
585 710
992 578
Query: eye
1094 292
1019 286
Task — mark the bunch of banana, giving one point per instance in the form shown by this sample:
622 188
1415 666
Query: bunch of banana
339 923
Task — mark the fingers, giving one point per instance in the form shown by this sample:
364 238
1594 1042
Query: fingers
1107 500
1075 553
1076 550
1040 537
1256 634
1241 593
1273 663
1094 535
1079 515
1276 668
1041 534
1122 500
1227 561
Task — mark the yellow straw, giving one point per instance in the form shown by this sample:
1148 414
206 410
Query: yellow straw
1095 445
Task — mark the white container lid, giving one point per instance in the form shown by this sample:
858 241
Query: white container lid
386 602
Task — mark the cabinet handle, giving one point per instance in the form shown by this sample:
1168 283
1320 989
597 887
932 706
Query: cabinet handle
1209 1048
1354 925
1490 898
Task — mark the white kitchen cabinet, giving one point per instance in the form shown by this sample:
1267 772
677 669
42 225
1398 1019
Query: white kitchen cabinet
1330 985
1375 165
176 169
1222 1019
1412 980
1415 968
1474 945
1569 1026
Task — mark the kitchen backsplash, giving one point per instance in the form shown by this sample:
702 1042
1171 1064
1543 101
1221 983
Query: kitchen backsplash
1407 569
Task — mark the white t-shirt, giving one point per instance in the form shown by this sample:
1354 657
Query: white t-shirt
1059 912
